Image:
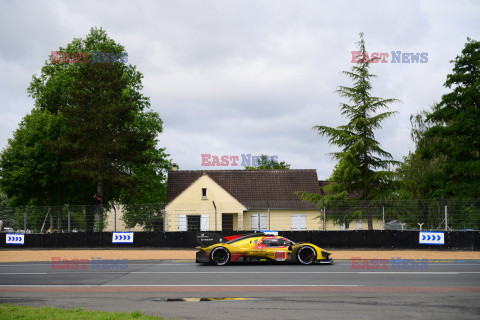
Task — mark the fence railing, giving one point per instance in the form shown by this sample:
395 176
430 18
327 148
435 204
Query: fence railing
207 215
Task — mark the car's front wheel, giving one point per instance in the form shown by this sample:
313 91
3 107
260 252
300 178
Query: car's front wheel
306 255
220 256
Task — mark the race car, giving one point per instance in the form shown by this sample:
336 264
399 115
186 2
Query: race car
257 247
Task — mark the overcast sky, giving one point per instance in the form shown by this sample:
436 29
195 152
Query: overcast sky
247 77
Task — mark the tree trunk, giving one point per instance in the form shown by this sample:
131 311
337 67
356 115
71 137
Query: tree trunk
59 220
370 222
99 209
51 221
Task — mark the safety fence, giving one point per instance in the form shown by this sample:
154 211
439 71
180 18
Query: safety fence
82 218
387 239
208 215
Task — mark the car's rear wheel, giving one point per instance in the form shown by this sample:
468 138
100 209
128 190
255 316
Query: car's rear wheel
220 256
306 255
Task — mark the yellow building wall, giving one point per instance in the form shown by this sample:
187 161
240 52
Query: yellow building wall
190 202
282 219
377 225
110 221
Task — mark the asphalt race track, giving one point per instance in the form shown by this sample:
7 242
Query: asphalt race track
172 289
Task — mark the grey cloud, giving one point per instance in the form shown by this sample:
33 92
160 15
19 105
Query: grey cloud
232 77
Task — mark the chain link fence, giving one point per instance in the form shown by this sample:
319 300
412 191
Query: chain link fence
429 214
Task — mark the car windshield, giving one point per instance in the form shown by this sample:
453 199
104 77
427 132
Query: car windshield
277 242
285 240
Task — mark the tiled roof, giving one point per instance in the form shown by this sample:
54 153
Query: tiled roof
253 187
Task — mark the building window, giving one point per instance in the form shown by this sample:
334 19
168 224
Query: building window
259 221
299 222
344 226
359 225
204 193
193 223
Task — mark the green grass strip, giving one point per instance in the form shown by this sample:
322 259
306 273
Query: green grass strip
8 311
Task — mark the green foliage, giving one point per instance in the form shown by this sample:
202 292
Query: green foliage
92 130
3 200
31 164
455 130
363 166
266 163
416 173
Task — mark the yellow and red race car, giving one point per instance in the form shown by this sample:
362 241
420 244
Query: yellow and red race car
257 247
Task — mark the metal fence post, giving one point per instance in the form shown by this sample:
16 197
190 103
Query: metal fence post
446 214
268 206
215 215
324 216
24 220
383 214
115 218
68 211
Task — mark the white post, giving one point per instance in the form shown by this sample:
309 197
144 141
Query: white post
420 224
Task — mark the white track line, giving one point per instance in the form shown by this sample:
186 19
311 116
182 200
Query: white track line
87 264
181 285
430 264
305 272
70 271
22 273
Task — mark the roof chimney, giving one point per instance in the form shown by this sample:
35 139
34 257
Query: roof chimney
174 167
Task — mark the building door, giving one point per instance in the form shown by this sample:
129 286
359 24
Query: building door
227 222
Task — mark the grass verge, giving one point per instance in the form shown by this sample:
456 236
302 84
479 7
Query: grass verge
8 311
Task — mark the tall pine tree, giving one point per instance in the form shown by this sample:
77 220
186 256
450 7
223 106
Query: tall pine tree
363 166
